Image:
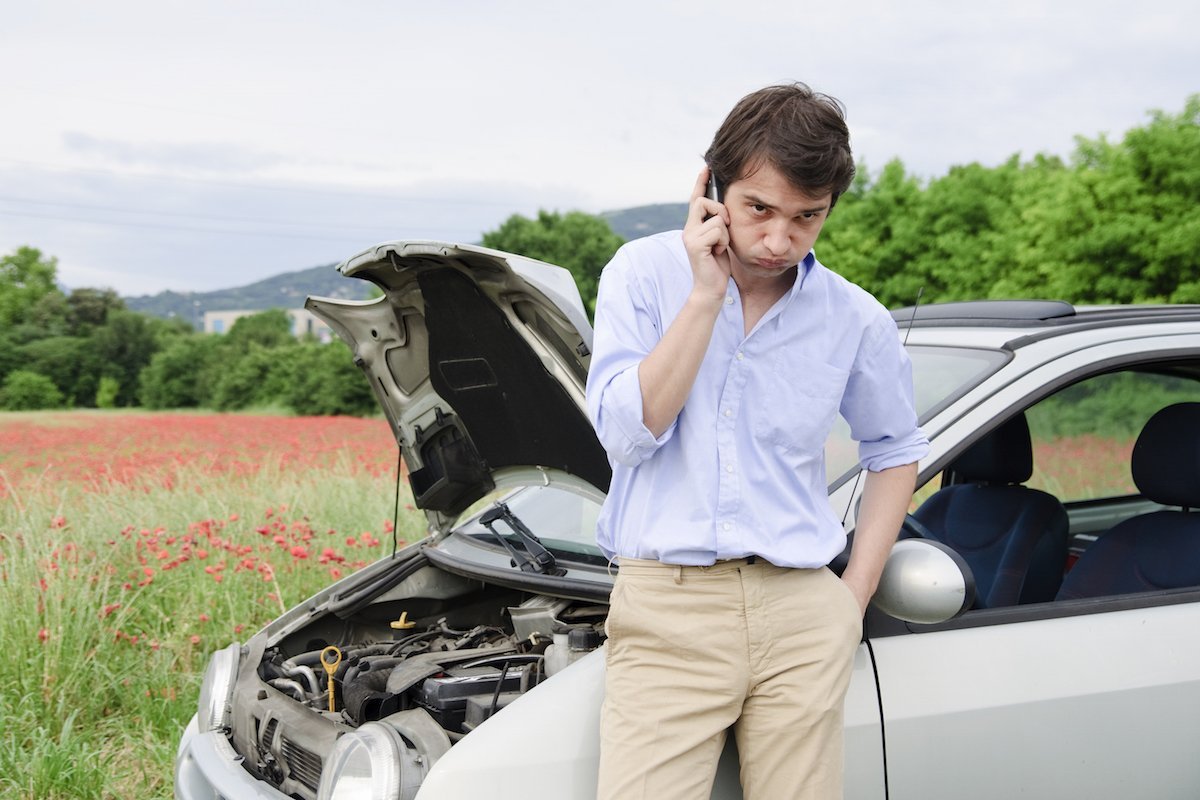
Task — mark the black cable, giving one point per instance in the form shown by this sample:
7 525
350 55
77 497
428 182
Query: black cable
499 686
396 508
882 727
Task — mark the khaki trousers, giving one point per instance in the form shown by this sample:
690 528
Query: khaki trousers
695 651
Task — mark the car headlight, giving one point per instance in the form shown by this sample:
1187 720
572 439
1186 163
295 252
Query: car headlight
216 690
364 765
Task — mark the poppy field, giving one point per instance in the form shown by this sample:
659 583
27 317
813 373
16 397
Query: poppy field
134 545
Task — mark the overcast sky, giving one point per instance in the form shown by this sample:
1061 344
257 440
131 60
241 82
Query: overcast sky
202 145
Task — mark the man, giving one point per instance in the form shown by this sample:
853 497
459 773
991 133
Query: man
722 356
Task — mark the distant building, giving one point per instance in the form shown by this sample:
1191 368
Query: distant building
302 322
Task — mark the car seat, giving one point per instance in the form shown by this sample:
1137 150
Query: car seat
1014 538
1161 549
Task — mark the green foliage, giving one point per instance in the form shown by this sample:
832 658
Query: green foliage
10 353
271 328
183 373
106 394
124 346
1119 224
24 390
256 378
25 277
69 361
580 242
322 379
1114 406
88 309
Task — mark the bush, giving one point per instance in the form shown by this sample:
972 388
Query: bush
106 395
182 375
69 362
323 380
27 391
252 379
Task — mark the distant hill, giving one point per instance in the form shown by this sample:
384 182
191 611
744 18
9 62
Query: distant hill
289 289
634 223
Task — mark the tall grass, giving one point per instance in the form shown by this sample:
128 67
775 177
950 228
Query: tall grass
113 597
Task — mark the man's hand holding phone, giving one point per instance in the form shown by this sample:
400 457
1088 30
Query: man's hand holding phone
706 238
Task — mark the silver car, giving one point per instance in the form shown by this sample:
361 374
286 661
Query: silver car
1033 634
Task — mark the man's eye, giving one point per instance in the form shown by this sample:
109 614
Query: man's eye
758 209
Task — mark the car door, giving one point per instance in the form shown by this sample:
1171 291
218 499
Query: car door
1090 698
1084 700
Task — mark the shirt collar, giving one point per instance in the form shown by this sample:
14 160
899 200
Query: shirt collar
802 272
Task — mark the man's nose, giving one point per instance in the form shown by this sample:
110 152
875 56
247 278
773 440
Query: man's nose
777 239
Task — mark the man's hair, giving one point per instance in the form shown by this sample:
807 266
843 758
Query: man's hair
799 132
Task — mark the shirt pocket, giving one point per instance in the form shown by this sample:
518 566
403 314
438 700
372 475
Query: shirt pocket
801 396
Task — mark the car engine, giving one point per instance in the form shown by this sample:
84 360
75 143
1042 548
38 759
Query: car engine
432 658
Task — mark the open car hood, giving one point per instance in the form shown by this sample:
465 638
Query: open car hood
478 359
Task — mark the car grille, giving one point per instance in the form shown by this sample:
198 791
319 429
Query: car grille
302 765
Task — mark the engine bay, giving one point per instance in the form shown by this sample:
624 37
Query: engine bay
432 657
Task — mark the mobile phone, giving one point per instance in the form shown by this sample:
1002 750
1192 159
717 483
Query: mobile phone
714 190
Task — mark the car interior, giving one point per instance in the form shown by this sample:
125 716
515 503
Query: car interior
1088 493
1013 537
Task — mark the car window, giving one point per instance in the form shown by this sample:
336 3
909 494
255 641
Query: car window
1082 439
940 376
1083 436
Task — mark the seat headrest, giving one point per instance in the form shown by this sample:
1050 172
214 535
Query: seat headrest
1166 457
1005 455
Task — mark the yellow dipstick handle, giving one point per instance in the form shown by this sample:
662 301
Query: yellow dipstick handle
403 624
330 658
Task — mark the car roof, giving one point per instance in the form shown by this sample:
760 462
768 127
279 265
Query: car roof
1015 323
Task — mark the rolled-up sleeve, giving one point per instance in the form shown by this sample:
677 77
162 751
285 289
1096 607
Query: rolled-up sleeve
627 329
878 403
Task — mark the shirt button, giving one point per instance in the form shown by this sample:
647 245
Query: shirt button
728 300
729 467
726 526
728 412
740 355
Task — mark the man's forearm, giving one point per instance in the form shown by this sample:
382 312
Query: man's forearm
885 500
667 374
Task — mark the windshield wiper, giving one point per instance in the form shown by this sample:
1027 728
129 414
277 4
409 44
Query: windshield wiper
539 559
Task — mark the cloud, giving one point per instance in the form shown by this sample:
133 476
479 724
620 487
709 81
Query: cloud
212 157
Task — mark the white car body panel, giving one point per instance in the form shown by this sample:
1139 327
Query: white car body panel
1044 708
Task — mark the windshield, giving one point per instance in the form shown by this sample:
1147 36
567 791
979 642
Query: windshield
565 520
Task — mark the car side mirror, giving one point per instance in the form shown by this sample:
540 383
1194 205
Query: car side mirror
925 582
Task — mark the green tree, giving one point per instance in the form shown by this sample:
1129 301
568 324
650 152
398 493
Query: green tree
70 362
88 309
47 317
873 235
10 352
256 378
580 242
24 390
182 374
124 345
25 277
322 379
272 328
106 394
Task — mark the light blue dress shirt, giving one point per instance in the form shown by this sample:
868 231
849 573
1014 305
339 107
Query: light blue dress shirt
741 470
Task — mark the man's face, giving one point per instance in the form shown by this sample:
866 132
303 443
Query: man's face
772 224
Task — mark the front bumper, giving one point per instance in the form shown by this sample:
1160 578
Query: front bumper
208 768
